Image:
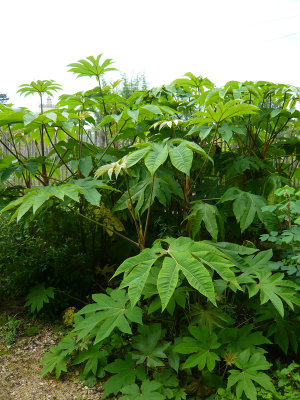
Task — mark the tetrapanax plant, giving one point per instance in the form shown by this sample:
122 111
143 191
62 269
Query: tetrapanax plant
202 160
40 88
91 67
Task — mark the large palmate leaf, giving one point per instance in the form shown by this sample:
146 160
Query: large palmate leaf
195 260
149 348
39 87
246 206
201 346
236 253
96 360
285 332
147 391
210 316
207 214
273 287
137 273
91 67
223 111
239 339
106 314
155 155
58 356
36 197
169 382
249 375
39 295
125 373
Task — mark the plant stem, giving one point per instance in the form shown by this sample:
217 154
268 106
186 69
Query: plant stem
72 297
105 226
148 214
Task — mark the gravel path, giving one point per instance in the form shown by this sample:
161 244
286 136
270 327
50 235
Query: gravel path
20 372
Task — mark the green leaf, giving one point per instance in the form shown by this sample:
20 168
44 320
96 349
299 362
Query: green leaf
36 197
274 288
133 114
163 188
58 356
245 206
136 280
166 377
136 156
143 257
223 111
39 87
226 132
156 157
246 379
37 296
137 270
152 108
167 280
201 211
86 165
182 158
173 360
202 345
197 149
284 331
125 374
94 357
196 260
205 131
239 339
195 272
148 346
91 67
106 314
147 391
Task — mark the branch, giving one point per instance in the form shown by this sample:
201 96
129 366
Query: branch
105 226
19 160
52 144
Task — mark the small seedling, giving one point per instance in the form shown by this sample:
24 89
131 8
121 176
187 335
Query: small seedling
10 330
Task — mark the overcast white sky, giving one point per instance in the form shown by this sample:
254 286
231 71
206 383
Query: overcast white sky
220 39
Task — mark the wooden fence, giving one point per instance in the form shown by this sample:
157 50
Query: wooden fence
30 149
97 138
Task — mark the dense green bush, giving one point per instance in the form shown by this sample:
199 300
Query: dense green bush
172 221
43 250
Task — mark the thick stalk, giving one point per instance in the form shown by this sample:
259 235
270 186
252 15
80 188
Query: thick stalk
131 206
186 192
143 243
205 161
79 150
44 170
27 182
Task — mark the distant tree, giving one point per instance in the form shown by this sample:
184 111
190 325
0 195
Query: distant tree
3 98
137 82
